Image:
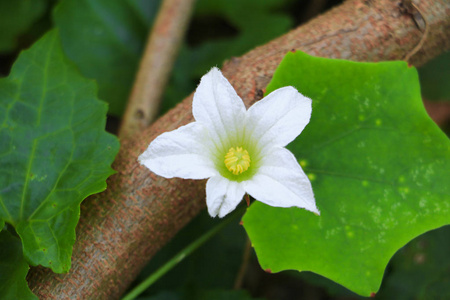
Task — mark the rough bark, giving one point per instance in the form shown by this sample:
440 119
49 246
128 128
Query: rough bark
122 228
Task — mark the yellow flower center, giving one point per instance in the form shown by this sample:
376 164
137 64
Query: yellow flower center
237 160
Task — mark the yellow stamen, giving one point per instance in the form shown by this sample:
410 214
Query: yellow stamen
237 160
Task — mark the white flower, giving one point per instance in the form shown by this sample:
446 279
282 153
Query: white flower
240 151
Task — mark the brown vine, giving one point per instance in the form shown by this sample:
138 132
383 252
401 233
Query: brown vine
156 63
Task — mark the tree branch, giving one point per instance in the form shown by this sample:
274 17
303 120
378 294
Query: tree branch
156 64
122 228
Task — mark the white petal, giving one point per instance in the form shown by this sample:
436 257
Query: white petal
281 182
278 118
180 153
222 195
217 105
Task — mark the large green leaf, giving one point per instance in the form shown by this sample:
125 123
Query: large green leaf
15 18
54 151
420 270
105 39
13 269
378 164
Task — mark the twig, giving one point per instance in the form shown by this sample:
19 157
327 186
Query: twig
416 13
156 64
243 269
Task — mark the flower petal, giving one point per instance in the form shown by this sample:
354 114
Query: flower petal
278 118
181 153
222 195
281 182
219 108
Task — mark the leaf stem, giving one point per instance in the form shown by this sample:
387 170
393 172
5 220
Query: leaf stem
180 256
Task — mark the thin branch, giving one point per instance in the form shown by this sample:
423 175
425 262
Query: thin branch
244 264
122 228
415 12
156 64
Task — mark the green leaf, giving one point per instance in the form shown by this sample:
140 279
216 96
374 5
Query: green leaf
15 18
419 270
105 39
378 165
54 151
13 269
